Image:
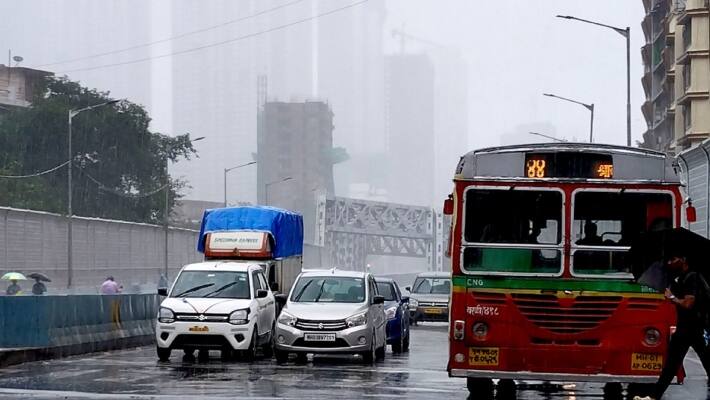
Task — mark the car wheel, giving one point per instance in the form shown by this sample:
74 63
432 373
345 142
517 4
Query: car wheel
281 356
399 344
163 353
405 342
250 352
369 356
268 348
380 353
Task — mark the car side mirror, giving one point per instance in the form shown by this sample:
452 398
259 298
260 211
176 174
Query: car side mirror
274 286
409 289
280 299
162 291
405 299
378 299
261 293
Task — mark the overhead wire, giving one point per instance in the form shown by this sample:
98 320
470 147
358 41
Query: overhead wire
49 171
236 39
105 188
180 36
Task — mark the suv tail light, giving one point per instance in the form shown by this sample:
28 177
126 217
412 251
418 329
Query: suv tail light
459 329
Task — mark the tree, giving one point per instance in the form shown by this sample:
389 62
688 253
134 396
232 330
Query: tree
119 164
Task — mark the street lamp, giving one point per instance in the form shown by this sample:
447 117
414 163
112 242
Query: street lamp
547 136
266 188
70 157
627 34
589 107
166 212
225 178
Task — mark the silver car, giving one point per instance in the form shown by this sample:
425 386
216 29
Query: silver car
429 297
332 311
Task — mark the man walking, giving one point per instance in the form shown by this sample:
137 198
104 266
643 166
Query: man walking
689 293
110 286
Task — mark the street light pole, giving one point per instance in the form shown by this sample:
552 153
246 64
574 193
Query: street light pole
547 136
626 33
225 177
266 188
589 107
71 114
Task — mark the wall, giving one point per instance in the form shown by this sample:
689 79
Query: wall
133 253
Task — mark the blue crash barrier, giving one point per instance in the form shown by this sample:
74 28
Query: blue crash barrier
58 321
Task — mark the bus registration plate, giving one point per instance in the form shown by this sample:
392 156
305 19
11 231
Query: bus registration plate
485 356
646 362
319 337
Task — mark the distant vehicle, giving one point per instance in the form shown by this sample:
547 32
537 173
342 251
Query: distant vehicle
397 312
429 297
332 311
268 236
217 305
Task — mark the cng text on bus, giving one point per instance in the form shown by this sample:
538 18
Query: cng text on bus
483 356
646 362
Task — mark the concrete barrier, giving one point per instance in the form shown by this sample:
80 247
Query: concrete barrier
37 327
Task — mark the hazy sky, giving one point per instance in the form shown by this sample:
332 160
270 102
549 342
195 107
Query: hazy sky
515 50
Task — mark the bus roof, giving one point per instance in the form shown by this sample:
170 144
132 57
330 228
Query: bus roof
568 161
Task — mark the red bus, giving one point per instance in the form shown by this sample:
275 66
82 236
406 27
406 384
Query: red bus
541 282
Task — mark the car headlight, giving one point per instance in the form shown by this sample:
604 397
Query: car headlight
356 320
287 319
166 315
413 303
239 317
391 313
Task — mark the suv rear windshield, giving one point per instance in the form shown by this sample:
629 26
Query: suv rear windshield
328 289
432 286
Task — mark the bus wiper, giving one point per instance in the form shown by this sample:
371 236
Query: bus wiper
196 288
303 289
230 284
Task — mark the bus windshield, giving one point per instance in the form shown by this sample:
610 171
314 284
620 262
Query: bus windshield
606 223
513 231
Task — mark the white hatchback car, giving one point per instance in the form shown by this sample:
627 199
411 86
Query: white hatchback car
217 305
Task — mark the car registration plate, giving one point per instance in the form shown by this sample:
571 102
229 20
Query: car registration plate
433 311
199 329
319 337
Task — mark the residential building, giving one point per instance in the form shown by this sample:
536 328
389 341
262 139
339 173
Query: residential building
677 73
18 85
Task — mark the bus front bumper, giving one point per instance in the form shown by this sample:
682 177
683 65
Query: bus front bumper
555 377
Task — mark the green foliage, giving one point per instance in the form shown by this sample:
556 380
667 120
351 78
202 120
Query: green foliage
118 161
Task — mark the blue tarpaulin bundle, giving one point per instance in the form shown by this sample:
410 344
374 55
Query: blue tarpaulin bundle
285 227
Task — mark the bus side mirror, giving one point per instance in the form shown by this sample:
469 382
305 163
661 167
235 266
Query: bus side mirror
690 213
449 206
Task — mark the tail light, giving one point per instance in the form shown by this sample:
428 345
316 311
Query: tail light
459 328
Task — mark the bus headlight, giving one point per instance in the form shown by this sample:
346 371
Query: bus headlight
652 336
480 330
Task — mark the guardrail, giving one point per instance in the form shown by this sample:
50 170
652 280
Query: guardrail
74 324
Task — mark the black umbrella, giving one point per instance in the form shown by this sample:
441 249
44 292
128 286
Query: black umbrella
39 276
653 249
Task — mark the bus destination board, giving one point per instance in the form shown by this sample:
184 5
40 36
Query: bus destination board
569 165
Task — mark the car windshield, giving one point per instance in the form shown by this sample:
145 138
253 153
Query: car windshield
432 286
386 289
218 284
330 289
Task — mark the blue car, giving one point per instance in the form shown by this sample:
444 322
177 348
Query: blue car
397 311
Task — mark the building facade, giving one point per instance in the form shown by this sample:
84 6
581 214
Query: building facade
676 77
18 85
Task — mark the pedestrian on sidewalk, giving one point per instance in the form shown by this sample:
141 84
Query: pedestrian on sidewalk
689 292
110 286
14 289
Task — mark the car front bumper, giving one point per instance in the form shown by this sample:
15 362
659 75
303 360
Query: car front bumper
204 335
434 314
350 340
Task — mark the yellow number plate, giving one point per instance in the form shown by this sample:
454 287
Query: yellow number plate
199 329
486 356
646 362
433 311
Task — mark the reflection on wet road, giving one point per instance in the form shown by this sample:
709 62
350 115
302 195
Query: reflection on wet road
419 374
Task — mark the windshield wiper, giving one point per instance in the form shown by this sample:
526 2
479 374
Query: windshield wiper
320 292
196 288
303 289
220 289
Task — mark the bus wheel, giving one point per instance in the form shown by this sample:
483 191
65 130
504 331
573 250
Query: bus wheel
480 387
506 389
613 391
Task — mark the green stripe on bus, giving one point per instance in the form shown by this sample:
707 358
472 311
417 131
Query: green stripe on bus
470 282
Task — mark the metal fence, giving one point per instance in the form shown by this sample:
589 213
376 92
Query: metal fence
133 253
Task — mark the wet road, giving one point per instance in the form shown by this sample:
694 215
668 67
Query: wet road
419 374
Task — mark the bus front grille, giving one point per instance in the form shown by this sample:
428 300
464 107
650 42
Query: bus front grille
575 316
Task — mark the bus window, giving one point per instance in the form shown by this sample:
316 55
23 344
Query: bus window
605 224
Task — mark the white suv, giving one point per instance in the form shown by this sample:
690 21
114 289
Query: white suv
217 305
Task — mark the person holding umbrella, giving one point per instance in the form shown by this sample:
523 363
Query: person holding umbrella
689 293
14 289
39 288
